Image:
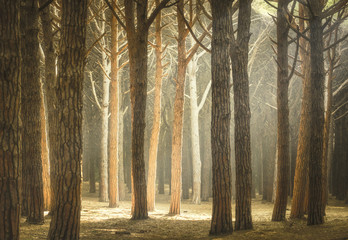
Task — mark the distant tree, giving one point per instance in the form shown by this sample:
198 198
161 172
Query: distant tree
32 182
10 108
65 223
221 114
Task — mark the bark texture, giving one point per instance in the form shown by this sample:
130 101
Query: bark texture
32 182
151 177
10 108
221 114
315 213
176 178
50 87
283 175
239 58
114 116
65 223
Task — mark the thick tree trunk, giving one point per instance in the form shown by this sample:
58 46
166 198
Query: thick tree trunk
114 117
10 108
51 96
220 118
302 158
239 58
65 223
315 213
32 182
279 210
151 177
176 178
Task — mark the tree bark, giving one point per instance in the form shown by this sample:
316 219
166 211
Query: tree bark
10 108
32 182
176 178
114 117
302 158
221 114
65 223
239 58
151 177
315 213
51 96
283 158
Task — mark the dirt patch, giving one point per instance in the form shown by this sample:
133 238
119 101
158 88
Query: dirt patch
98 221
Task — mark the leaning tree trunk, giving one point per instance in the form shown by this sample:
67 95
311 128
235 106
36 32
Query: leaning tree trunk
239 58
302 158
176 178
315 213
151 177
114 115
283 158
51 96
10 108
65 223
220 118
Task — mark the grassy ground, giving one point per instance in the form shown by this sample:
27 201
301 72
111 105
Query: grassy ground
100 222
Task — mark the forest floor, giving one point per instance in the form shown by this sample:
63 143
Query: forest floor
99 222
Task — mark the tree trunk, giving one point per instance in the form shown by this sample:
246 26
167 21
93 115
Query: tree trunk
239 58
65 223
195 144
10 107
44 156
176 178
206 169
220 118
283 158
121 180
32 182
151 177
315 213
302 158
114 116
51 96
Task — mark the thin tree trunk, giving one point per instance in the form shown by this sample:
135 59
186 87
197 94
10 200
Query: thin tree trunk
121 180
44 156
220 118
283 158
176 178
10 107
65 223
51 96
114 116
151 177
239 58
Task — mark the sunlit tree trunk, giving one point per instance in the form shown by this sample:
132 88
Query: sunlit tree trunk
239 58
176 178
283 158
221 114
114 117
65 223
51 96
44 156
151 178
10 108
